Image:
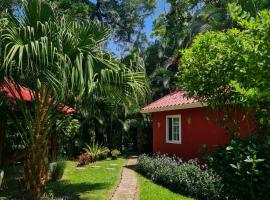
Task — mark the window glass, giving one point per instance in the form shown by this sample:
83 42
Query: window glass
170 128
173 129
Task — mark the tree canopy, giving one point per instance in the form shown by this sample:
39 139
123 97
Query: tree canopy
125 18
231 67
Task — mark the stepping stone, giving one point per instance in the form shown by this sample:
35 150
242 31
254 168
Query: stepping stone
80 168
110 168
95 166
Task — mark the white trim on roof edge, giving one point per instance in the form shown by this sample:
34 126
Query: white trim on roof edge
175 107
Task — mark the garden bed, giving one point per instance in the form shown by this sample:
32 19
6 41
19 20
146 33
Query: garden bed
187 178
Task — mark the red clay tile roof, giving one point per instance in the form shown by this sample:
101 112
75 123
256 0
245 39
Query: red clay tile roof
16 92
171 102
22 93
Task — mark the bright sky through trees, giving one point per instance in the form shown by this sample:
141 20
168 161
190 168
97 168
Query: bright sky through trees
162 6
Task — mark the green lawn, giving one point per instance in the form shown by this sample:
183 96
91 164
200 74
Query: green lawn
91 183
152 191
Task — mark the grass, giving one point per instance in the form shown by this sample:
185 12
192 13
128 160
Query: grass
87 184
152 191
90 183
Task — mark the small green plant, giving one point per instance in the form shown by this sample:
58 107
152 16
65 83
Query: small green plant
56 170
97 151
115 154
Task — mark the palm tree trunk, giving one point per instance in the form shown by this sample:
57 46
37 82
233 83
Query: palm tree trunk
35 168
36 161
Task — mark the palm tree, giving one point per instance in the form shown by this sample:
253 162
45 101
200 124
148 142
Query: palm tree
59 59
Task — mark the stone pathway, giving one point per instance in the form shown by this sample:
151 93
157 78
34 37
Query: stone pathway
128 186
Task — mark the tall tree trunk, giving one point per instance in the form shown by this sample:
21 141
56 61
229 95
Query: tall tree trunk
35 168
36 161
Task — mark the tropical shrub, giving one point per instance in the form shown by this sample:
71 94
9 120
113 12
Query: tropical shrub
115 154
104 153
244 166
188 178
84 159
97 151
56 170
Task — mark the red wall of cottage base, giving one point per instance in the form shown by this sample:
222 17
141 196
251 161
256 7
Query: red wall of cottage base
198 128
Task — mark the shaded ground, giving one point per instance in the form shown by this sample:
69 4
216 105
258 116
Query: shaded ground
95 182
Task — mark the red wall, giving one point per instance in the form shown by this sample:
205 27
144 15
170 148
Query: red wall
198 128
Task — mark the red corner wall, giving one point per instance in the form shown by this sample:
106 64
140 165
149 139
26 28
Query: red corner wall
198 128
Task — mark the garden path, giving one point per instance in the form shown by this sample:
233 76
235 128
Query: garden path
127 188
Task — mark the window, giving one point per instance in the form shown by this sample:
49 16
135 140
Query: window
173 129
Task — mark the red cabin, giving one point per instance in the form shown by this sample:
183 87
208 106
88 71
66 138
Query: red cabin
183 126
15 92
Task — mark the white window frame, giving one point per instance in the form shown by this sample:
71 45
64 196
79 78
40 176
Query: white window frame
167 130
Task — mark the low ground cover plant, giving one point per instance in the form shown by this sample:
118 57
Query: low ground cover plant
56 170
187 178
244 166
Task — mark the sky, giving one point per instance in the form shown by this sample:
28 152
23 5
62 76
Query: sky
162 6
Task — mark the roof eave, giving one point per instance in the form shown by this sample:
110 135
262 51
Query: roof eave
175 107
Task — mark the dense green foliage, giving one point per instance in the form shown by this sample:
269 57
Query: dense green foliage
232 67
244 167
187 178
176 29
125 18
68 141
